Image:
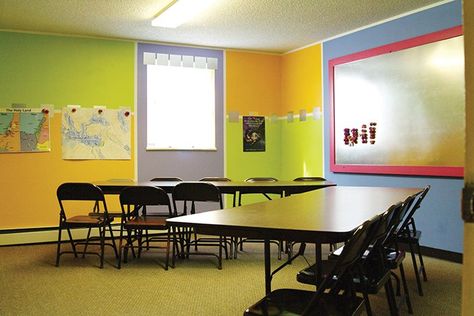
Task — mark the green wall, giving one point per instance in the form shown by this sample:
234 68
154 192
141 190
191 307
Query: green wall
301 148
241 165
41 69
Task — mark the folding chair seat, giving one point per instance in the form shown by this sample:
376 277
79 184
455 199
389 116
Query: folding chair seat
243 191
408 234
191 194
335 294
91 199
136 203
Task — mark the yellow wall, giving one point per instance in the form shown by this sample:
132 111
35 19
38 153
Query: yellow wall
301 80
302 141
58 70
29 181
252 83
468 266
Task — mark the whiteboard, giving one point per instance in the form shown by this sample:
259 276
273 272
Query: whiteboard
399 109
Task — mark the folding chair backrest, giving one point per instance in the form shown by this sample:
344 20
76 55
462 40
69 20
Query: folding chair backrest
196 191
166 179
79 191
144 195
309 179
261 179
407 217
215 179
353 249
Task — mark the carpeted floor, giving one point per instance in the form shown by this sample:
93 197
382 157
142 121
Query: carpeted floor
32 285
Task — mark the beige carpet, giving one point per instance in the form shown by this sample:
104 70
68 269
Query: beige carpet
32 285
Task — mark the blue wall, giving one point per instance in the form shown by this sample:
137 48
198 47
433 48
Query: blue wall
439 217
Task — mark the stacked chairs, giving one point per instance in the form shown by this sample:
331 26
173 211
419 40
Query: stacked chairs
335 294
244 191
408 234
192 193
379 261
137 222
91 199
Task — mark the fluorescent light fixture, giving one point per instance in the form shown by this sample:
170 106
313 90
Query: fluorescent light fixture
179 12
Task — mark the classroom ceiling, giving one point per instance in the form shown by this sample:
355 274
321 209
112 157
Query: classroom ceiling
258 25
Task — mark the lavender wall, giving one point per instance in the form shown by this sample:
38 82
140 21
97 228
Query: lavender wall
189 165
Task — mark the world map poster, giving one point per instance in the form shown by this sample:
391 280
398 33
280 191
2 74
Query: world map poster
24 130
92 133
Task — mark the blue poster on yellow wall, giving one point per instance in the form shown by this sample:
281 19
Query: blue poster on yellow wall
254 133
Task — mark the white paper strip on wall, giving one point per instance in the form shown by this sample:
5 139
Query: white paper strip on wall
316 113
162 59
188 61
149 58
175 60
302 115
212 63
234 117
274 118
200 62
289 117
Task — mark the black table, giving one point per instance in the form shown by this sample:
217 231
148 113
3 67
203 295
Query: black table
328 215
279 187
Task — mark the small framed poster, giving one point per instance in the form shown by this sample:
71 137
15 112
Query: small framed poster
253 133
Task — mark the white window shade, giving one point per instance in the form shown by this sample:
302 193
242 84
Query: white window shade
180 108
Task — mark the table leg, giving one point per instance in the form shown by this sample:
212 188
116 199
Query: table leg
268 276
319 262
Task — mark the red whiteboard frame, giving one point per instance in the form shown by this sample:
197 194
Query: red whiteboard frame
385 169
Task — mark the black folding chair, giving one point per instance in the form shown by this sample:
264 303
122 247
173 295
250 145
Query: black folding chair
136 202
192 193
335 294
408 234
91 199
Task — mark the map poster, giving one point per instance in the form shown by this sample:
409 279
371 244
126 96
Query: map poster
254 133
24 130
95 133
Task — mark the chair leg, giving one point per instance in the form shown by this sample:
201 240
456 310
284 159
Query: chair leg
422 265
119 259
73 245
167 250
391 297
220 254
114 245
415 268
87 242
405 289
102 245
58 251
175 247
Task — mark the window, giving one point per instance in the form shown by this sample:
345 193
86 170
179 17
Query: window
181 104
